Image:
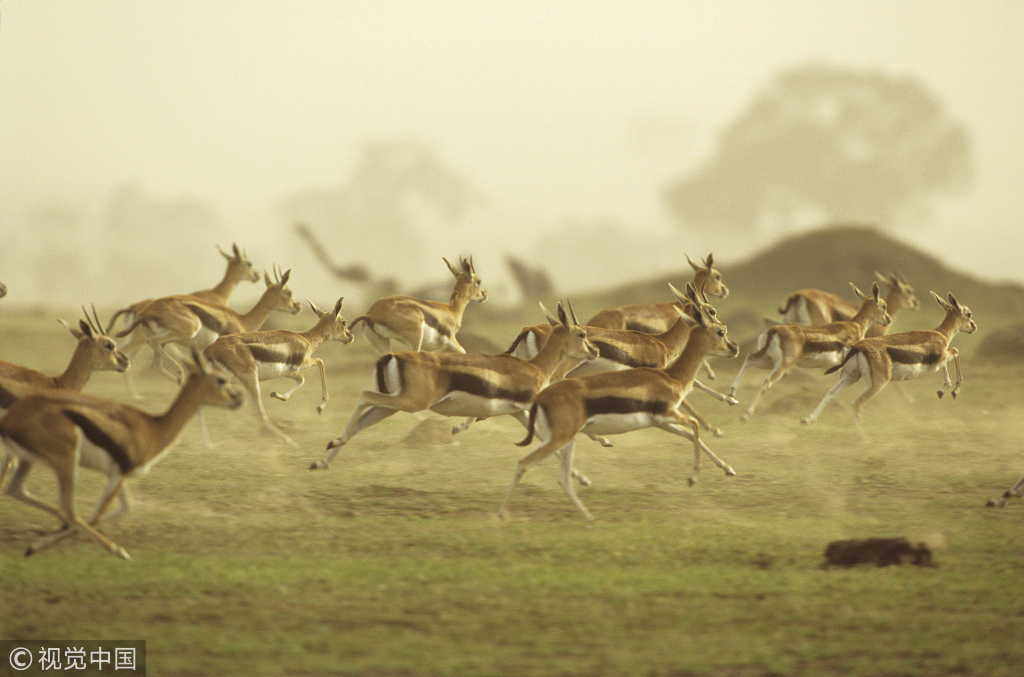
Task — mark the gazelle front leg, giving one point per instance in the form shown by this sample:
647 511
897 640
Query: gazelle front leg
945 371
721 397
1016 490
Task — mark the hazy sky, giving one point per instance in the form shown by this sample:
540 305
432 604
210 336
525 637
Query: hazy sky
538 102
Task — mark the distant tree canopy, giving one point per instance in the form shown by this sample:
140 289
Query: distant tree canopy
379 219
834 144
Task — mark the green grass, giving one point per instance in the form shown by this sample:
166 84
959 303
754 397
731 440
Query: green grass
394 563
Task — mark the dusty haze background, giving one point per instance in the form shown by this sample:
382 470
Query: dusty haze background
134 134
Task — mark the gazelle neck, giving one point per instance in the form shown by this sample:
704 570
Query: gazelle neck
949 325
684 369
232 276
553 352
169 424
459 299
259 313
864 314
77 373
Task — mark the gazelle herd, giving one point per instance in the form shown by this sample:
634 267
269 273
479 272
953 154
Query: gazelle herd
628 368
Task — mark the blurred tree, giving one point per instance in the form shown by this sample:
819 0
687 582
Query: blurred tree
827 144
382 216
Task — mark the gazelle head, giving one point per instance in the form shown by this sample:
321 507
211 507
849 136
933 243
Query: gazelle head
283 296
879 308
467 282
103 351
337 325
579 346
708 278
961 314
214 386
239 265
902 294
707 319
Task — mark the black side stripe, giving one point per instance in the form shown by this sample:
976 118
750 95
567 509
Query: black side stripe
903 356
208 320
474 385
432 322
612 404
102 440
265 354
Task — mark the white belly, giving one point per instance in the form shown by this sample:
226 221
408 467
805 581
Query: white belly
614 424
464 404
268 370
905 372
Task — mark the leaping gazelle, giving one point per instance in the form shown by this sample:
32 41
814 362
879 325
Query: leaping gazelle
94 352
257 356
194 323
240 269
456 384
784 346
62 429
423 324
656 318
900 357
817 308
622 401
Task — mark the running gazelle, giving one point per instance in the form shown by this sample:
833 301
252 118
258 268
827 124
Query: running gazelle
900 357
784 346
622 401
465 385
63 429
423 324
257 356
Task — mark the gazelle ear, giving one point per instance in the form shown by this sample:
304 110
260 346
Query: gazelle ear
680 296
337 306
563 316
552 320
945 306
224 253
709 262
200 360
75 332
316 311
883 279
953 301
696 266
876 291
858 292
450 267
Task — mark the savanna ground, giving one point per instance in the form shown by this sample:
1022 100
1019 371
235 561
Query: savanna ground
394 561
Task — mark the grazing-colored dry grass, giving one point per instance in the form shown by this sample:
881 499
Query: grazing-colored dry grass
394 562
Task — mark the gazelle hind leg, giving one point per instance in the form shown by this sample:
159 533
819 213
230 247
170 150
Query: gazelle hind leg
527 462
846 379
65 483
115 487
362 418
565 475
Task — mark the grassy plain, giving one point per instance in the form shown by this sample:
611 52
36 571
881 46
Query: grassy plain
394 563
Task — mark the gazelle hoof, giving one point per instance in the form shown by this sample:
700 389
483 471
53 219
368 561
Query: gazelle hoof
729 471
731 401
318 465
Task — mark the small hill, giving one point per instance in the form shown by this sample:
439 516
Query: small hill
830 259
